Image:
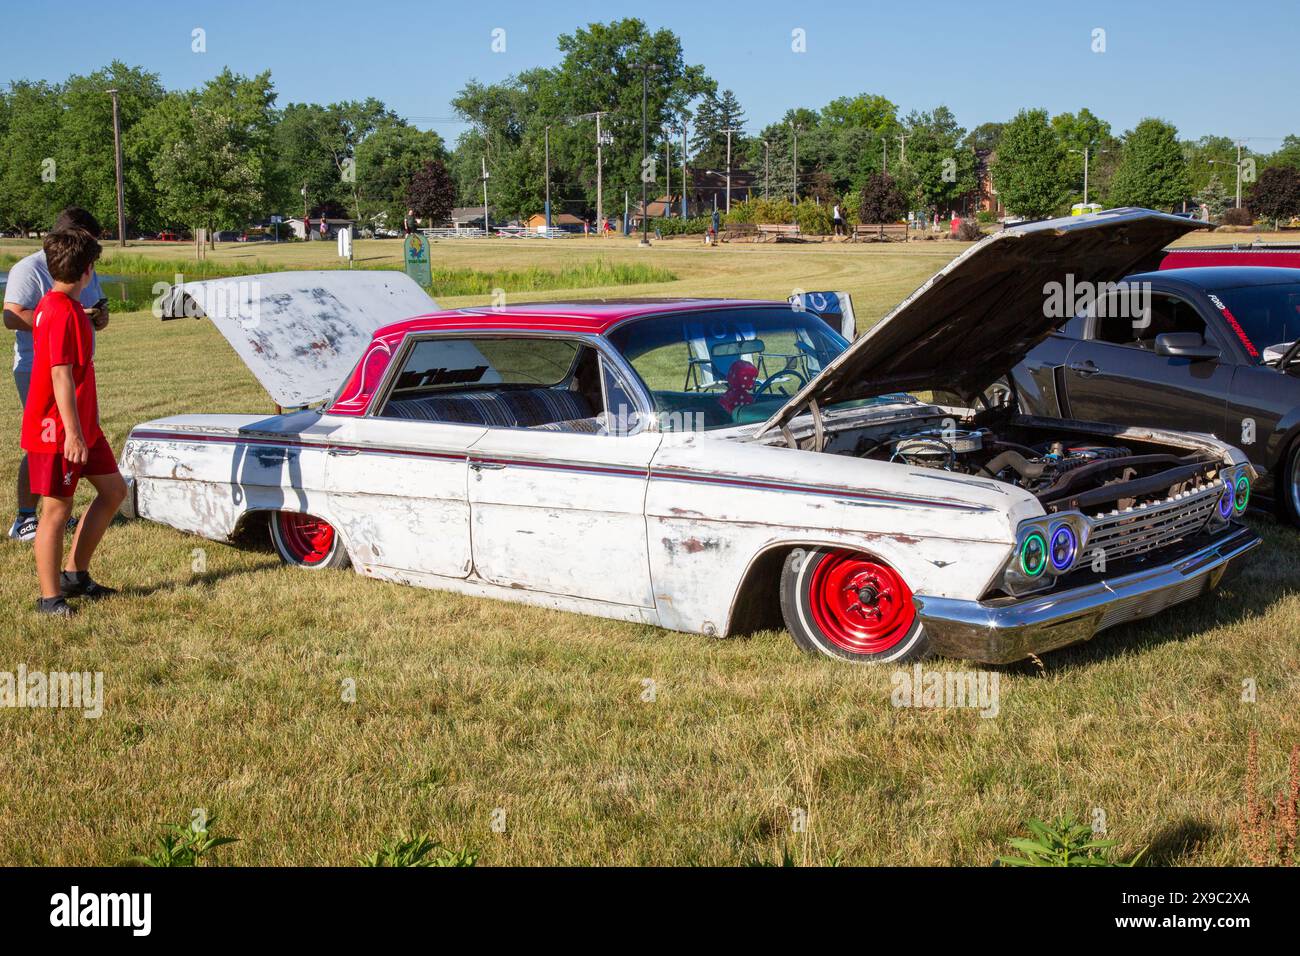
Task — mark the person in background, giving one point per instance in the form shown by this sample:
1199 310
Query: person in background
29 281
324 228
408 224
306 228
61 432
837 220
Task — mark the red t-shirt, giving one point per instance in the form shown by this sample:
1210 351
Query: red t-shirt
61 335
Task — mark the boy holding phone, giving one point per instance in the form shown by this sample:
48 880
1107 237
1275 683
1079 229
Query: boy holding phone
61 431
29 280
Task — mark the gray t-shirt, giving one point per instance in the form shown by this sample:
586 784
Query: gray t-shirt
29 280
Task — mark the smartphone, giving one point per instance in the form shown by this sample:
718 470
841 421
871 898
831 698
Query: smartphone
102 303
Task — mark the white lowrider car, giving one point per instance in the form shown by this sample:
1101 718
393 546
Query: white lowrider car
710 466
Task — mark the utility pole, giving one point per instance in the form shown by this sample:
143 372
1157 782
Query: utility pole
117 153
645 144
729 130
766 179
486 227
794 127
548 179
683 166
902 148
1238 174
668 170
600 185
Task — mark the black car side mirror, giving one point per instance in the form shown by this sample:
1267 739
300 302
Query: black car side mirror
1189 345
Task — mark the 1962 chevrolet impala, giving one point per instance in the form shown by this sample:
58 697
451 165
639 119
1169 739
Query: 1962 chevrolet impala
710 466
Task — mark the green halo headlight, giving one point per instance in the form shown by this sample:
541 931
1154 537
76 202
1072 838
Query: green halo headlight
1033 554
1241 493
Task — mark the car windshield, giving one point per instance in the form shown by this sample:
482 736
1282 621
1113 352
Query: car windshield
1261 315
726 367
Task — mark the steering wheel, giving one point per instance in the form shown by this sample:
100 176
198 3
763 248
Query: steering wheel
767 384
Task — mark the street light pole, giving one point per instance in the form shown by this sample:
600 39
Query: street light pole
486 228
729 131
117 154
683 166
766 178
548 179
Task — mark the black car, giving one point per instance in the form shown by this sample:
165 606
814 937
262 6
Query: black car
1215 353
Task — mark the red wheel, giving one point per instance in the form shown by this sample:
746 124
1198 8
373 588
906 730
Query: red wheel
306 541
850 605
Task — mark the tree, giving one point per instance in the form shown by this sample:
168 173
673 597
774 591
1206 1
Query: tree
1153 171
1030 171
1085 131
713 117
387 160
205 178
935 171
1215 197
985 137
1288 154
1276 194
29 186
880 200
432 194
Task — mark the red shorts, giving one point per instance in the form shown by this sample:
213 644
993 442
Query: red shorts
54 477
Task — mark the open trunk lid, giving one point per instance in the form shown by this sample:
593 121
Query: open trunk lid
300 333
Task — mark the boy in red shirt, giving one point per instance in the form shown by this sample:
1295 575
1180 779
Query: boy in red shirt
61 427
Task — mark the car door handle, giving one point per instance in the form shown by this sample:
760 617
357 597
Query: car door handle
1084 368
486 465
345 451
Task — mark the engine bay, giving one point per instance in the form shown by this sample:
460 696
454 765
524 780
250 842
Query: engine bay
1065 468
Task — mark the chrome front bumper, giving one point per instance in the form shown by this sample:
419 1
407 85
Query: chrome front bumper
999 633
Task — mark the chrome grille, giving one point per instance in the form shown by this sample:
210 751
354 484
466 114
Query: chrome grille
1123 534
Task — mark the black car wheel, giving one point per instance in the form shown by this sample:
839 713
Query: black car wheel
1287 490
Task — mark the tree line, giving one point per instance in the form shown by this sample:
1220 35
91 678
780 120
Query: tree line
227 154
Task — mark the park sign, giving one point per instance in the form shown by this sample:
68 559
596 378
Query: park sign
416 249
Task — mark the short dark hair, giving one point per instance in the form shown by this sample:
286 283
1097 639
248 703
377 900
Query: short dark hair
74 217
69 253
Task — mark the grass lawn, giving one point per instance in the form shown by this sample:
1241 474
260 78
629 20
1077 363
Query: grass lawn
223 678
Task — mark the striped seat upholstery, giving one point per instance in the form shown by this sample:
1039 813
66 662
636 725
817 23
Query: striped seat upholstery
556 409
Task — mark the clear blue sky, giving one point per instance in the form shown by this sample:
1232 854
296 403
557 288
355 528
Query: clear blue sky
1225 68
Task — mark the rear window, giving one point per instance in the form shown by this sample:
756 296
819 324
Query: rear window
435 365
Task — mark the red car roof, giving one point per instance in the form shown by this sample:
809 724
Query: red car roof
593 318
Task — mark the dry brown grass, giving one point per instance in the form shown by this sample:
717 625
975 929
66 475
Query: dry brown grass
223 687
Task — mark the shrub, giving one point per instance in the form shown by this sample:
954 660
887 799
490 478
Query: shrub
762 211
814 219
1238 217
986 216
181 845
418 850
676 226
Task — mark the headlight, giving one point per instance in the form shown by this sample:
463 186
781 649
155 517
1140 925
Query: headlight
1046 548
1063 548
1033 554
1241 492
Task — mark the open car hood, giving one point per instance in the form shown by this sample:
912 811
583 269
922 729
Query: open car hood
975 319
300 333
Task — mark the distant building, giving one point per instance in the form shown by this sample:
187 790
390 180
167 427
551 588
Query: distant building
462 216
559 220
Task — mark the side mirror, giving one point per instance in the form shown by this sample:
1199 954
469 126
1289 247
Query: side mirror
1188 345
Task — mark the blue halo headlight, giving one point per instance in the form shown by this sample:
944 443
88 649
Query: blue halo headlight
1064 547
1225 504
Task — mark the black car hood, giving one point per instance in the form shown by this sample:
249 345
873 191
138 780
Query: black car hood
975 319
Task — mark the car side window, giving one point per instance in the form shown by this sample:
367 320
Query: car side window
621 415
1121 320
500 382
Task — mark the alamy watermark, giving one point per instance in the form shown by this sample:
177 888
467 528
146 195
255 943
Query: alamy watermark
1103 300
934 690
75 690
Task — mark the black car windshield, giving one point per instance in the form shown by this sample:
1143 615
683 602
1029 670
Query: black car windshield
717 368
1261 315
